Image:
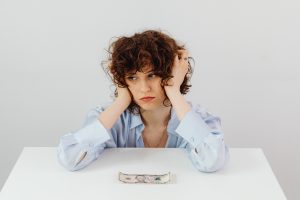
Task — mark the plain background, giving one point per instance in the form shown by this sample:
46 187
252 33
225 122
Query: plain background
246 70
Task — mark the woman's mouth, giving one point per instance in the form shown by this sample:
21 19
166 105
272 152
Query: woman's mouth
147 99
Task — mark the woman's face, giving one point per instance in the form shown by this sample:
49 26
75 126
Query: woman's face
146 89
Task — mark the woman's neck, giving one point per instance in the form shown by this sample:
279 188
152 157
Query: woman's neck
156 118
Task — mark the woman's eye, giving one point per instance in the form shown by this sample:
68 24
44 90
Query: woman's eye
131 78
151 75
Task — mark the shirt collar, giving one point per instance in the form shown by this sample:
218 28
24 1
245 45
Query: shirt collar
135 120
172 124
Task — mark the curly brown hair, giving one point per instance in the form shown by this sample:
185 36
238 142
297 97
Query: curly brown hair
132 54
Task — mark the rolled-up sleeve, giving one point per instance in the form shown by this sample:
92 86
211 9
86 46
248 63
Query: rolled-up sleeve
79 148
204 139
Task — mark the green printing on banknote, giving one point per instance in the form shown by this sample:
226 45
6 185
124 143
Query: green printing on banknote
145 178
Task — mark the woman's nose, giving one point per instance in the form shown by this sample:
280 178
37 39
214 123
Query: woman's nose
144 86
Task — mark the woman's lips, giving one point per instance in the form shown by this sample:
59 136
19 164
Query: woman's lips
147 99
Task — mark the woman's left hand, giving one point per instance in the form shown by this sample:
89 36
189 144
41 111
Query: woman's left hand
180 69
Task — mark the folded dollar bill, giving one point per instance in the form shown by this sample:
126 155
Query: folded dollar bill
145 178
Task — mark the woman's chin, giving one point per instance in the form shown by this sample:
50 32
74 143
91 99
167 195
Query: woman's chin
149 106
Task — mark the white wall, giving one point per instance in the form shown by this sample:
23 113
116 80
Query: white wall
247 69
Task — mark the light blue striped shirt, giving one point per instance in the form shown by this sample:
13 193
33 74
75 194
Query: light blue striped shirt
199 132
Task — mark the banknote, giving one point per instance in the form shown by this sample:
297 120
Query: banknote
145 178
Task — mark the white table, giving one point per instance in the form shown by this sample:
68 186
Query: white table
37 175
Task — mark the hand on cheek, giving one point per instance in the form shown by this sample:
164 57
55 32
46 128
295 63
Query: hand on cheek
179 70
124 95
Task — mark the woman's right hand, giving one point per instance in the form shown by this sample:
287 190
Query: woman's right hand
111 114
124 95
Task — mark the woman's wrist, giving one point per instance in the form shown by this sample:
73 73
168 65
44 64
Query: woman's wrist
178 102
121 103
110 115
172 91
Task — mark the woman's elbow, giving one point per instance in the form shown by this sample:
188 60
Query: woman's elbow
67 162
211 161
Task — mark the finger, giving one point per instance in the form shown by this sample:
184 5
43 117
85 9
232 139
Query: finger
183 50
110 65
176 60
184 60
183 54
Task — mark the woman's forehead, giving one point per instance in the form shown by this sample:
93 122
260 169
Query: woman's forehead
145 69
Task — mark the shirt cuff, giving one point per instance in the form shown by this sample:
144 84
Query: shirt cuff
92 134
193 128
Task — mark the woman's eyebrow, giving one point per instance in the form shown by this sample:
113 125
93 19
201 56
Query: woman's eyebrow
130 73
134 73
150 71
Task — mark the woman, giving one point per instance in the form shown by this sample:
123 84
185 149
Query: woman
151 73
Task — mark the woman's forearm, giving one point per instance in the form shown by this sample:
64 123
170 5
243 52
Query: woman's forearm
179 103
111 114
